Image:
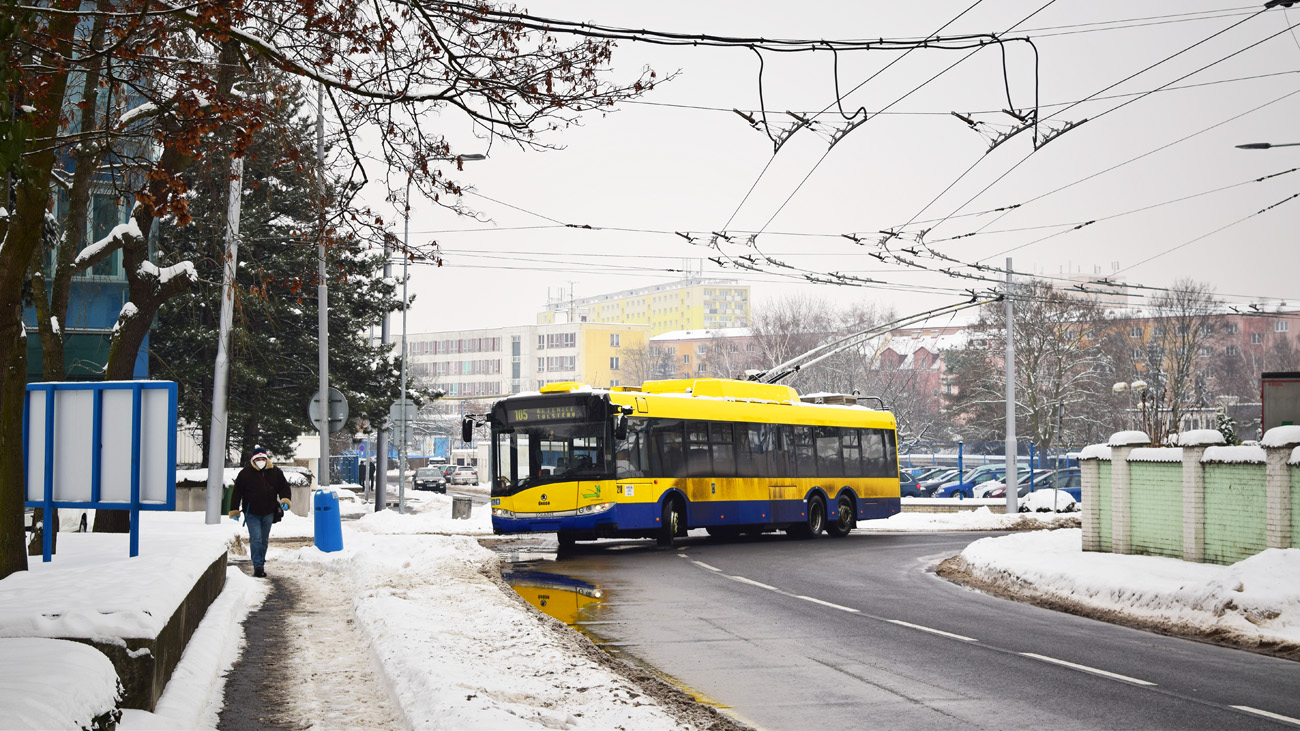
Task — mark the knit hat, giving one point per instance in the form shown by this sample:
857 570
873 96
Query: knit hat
258 453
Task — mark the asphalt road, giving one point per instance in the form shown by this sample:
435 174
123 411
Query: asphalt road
856 633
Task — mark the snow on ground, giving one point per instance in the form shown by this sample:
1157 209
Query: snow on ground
980 519
1254 601
460 654
54 683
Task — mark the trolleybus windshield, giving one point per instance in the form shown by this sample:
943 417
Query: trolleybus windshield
528 456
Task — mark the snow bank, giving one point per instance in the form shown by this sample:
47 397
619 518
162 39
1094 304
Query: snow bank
1282 436
1156 454
54 683
193 696
459 653
1128 439
94 589
1199 438
1235 455
972 520
1256 600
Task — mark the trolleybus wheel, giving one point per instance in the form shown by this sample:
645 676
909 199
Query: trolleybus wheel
843 522
670 523
815 522
566 539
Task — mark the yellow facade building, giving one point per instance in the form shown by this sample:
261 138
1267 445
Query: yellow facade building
688 304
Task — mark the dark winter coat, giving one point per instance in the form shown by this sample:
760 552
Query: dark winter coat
260 491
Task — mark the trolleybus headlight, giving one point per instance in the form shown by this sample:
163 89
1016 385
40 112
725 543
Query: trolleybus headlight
597 508
502 513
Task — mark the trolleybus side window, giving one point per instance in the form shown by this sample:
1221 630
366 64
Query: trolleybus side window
751 454
668 448
805 458
852 453
873 452
829 461
891 453
722 444
697 449
783 462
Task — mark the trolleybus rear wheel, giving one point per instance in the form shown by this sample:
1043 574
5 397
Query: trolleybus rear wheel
843 521
566 539
670 523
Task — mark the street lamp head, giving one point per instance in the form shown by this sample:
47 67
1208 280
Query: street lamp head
1255 146
471 156
1138 385
1120 387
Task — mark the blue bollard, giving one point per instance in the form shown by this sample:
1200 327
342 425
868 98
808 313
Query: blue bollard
329 529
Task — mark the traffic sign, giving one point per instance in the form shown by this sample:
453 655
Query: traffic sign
403 411
338 410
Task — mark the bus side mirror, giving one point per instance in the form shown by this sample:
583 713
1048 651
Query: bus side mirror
620 427
467 430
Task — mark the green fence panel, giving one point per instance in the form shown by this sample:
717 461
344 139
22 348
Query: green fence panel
1235 512
1104 526
1156 508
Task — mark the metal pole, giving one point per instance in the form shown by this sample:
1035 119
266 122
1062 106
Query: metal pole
322 299
406 257
1011 451
381 440
221 373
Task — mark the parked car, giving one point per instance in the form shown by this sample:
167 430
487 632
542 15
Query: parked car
965 486
907 485
928 485
1070 480
464 476
1040 480
430 478
447 470
1045 501
929 473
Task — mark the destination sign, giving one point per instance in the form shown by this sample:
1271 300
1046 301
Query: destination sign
570 412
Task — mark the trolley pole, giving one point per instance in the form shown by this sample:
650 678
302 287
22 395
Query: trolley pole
1011 449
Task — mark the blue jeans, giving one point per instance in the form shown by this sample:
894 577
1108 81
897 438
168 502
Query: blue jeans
259 535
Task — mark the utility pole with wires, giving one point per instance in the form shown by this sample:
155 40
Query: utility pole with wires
1012 450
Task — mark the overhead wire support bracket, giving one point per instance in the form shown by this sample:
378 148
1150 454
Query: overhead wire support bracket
1052 134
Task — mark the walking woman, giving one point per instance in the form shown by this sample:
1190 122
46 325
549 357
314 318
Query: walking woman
264 492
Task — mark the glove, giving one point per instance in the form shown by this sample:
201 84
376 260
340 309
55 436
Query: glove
234 515
285 503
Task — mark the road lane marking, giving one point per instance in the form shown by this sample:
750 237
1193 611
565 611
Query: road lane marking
932 630
751 582
1267 714
704 565
1086 669
828 604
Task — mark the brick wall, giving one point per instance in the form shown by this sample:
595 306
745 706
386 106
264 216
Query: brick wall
1235 512
1156 508
1295 507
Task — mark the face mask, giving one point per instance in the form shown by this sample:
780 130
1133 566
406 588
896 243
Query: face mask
259 464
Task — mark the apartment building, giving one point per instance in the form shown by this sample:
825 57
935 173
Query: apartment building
492 362
687 304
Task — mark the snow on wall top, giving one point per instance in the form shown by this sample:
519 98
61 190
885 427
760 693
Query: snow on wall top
1199 438
1295 457
1156 454
1128 439
1235 455
1282 436
1095 451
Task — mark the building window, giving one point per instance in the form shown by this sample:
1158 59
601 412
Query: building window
1135 331
700 369
1256 338
541 342
1231 328
1184 329
1232 350
541 365
613 340
614 384
515 345
1207 352
1137 354
613 363
686 358
1281 326
1207 329
1159 331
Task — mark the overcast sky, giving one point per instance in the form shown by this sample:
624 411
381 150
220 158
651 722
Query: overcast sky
662 165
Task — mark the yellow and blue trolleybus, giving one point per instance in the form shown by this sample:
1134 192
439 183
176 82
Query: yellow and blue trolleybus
730 456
